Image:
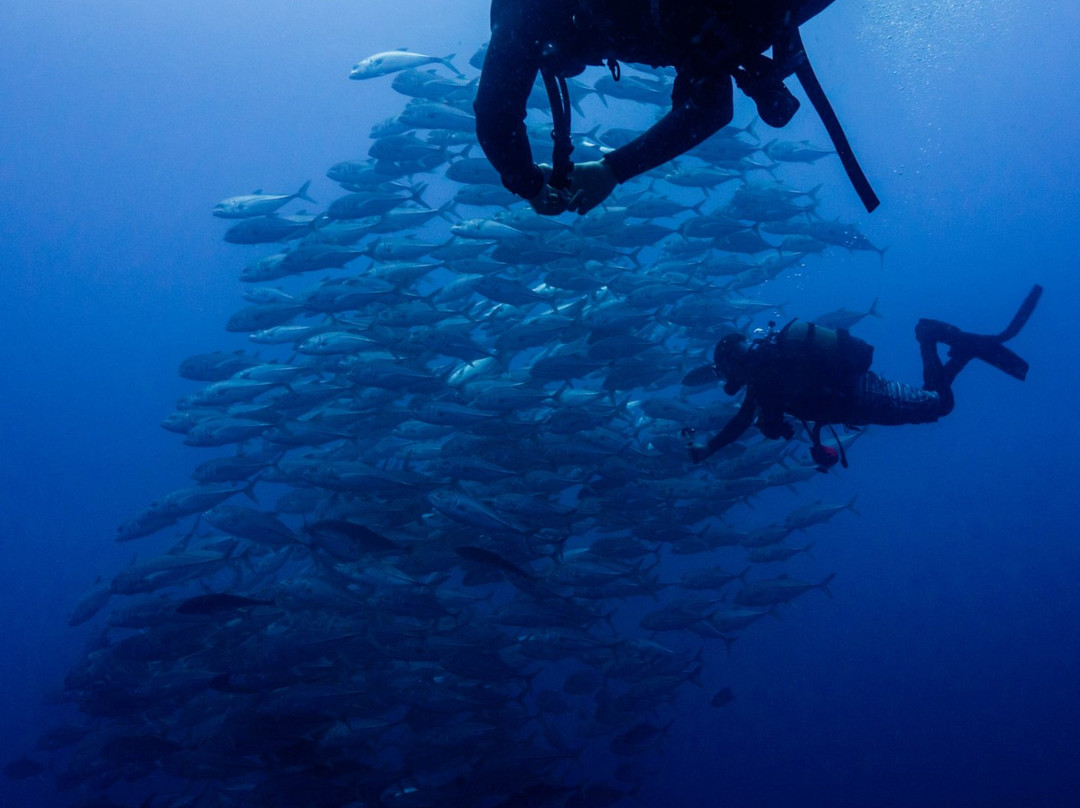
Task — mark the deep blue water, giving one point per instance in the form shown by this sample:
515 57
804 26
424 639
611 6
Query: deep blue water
943 671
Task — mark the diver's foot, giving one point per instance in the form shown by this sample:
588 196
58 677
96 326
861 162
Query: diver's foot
937 331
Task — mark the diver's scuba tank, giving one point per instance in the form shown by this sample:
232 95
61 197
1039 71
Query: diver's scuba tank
833 353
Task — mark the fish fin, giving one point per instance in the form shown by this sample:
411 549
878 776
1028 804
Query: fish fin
446 61
824 585
417 194
851 504
749 129
302 193
443 212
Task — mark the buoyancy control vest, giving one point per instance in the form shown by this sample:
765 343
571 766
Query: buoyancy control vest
825 360
833 356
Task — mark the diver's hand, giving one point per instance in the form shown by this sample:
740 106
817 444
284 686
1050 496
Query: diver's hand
590 184
550 201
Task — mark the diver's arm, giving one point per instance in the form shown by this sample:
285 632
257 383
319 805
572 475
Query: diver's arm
510 68
730 433
702 105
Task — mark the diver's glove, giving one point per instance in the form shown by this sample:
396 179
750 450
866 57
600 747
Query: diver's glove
550 201
590 184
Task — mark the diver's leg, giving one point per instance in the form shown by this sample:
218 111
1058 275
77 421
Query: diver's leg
937 376
876 400
929 333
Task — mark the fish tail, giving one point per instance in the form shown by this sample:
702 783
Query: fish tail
446 60
417 194
444 212
302 193
824 585
851 505
749 129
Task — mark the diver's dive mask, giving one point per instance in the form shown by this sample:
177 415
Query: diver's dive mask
727 361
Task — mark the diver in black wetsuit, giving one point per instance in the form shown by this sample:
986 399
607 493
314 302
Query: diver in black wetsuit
708 42
816 374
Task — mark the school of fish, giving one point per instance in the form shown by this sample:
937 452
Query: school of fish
443 542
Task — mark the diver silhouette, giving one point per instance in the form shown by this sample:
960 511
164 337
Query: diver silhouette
710 43
823 375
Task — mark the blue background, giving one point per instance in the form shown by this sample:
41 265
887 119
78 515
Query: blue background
945 669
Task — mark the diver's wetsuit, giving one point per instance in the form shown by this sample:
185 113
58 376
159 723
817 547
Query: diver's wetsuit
779 385
781 382
652 32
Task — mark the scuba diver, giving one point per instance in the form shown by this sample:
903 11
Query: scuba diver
821 375
708 42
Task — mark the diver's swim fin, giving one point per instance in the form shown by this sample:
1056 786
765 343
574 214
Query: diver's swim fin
987 347
1022 314
993 352
990 350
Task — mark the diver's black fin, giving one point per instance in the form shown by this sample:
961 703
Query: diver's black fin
987 347
996 354
990 350
1022 314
